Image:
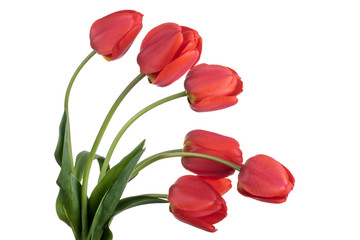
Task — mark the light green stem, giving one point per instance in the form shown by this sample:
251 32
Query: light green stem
95 147
178 153
155 195
128 124
67 94
74 77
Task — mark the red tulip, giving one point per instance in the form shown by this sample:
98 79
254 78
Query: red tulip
200 141
265 179
167 52
196 202
212 87
112 35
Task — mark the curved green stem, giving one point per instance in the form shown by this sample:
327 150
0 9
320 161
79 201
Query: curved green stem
178 153
67 94
134 201
74 77
150 160
128 124
96 145
154 195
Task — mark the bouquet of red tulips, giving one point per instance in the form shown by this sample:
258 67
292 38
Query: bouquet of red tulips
167 52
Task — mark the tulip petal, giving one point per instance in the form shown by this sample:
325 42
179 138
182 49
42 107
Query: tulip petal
105 32
215 103
192 36
192 193
124 44
177 68
162 43
277 199
190 41
211 80
291 177
221 185
203 166
211 140
264 176
200 141
217 206
215 217
239 87
195 222
162 31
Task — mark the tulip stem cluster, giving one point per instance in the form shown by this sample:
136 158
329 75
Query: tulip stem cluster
128 124
178 153
97 142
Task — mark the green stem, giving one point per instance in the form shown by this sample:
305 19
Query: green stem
67 94
128 124
154 195
128 202
178 153
74 77
96 145
150 160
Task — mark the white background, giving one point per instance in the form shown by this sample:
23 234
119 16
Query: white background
299 61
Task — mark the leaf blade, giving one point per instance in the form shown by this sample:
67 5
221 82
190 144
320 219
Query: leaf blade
60 144
109 201
108 180
68 202
80 163
107 234
60 210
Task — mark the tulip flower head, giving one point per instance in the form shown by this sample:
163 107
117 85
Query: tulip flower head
200 141
212 87
167 52
112 35
196 202
265 179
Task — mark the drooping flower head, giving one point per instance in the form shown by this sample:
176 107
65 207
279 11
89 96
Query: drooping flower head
198 201
212 87
167 52
265 179
205 142
112 35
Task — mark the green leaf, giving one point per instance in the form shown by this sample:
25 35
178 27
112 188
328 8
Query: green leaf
135 201
68 202
80 163
60 210
107 234
113 185
60 144
110 177
63 152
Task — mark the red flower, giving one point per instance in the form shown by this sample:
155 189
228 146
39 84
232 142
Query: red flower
265 179
212 87
112 35
198 202
167 52
200 141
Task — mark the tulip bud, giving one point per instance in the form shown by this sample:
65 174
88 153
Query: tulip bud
196 202
265 179
212 87
112 35
200 141
167 52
